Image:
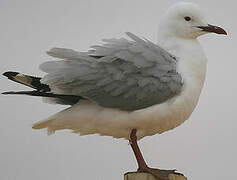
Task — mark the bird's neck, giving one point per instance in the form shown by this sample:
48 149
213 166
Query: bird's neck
182 48
191 58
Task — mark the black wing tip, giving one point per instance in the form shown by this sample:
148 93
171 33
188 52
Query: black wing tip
8 92
10 74
68 99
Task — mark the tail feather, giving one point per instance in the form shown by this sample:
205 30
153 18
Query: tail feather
42 124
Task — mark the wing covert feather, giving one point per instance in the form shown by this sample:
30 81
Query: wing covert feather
128 75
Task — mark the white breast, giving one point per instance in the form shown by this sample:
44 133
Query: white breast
192 66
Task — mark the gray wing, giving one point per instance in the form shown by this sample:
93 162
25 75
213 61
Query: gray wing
124 74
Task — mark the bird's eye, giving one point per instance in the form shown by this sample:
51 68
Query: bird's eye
187 18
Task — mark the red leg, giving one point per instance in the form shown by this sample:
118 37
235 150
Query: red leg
142 166
140 160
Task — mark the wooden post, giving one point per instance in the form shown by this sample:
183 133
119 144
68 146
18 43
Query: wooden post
147 176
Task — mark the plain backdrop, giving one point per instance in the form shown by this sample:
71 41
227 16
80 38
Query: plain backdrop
204 147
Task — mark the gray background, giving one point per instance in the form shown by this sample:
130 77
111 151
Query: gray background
204 147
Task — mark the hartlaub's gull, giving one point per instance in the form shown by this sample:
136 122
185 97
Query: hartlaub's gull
127 88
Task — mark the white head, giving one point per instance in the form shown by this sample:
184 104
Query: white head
185 20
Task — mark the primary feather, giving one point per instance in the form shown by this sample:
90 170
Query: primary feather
41 90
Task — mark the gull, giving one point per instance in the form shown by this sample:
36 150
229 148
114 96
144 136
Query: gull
127 88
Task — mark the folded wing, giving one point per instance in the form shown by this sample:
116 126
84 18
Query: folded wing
124 74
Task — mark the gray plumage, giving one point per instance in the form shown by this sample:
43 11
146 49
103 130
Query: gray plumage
123 74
